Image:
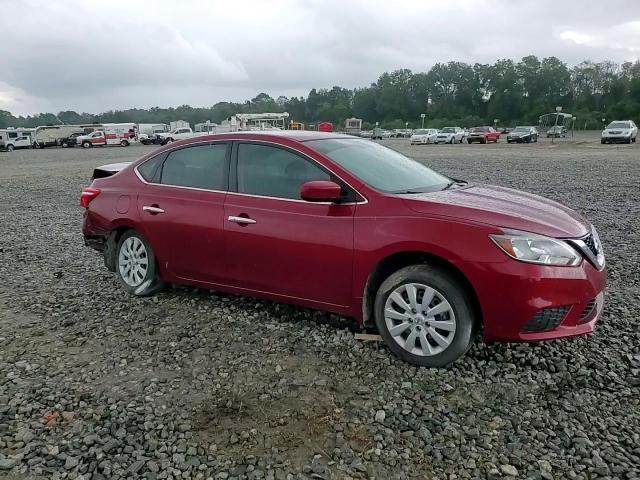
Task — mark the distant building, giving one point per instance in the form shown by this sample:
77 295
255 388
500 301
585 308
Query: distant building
353 126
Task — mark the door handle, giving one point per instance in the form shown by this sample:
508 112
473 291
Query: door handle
152 210
241 220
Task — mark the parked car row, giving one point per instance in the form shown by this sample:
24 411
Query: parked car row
124 134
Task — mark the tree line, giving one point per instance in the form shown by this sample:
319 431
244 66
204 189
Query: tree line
448 93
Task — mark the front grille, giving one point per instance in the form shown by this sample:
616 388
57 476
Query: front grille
588 310
588 240
546 319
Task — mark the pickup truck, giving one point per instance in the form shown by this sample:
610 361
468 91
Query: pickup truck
101 139
178 134
10 144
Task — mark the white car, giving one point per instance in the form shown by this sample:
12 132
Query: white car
423 136
450 135
622 131
178 134
10 144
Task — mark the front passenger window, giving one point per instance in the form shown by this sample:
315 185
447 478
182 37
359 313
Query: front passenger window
201 166
274 172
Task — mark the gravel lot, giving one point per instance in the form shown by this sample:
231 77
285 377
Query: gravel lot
196 384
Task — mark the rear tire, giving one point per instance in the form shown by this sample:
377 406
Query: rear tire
469 142
136 265
435 340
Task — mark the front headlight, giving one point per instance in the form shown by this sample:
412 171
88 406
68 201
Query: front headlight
534 248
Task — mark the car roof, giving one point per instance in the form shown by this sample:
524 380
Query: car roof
295 135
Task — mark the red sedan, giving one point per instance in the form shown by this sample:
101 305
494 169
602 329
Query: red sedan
344 224
483 135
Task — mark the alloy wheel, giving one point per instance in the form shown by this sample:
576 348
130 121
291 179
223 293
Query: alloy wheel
133 261
420 319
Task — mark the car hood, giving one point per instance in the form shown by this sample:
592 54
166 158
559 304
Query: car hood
502 207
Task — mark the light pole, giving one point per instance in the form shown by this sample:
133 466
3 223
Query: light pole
555 125
375 132
422 116
573 126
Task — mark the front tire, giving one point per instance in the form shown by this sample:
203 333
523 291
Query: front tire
9 148
136 265
86 144
124 143
425 316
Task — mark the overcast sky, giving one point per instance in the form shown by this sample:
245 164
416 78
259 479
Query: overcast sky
92 56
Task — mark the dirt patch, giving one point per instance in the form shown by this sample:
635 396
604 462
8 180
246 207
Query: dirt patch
247 425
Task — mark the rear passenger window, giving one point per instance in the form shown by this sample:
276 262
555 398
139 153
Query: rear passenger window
274 172
201 166
149 168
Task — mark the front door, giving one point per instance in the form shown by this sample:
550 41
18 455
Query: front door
182 211
275 242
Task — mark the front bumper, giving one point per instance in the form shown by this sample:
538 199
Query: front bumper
616 138
512 293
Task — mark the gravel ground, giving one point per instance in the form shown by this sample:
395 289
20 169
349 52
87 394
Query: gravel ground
196 384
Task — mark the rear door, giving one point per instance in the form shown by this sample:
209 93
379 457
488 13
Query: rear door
182 209
277 243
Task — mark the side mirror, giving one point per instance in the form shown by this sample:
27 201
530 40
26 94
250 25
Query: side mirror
320 191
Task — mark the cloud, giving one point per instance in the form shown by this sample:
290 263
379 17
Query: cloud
92 56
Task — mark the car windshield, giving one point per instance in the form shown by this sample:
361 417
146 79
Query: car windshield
521 129
380 167
448 130
618 125
479 129
421 132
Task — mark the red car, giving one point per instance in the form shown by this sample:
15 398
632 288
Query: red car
483 135
344 224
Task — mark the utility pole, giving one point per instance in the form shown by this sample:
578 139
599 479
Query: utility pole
422 116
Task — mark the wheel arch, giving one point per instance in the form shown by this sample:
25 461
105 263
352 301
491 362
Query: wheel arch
111 244
395 261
